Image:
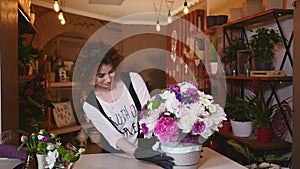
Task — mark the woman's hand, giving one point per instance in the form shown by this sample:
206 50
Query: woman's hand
155 157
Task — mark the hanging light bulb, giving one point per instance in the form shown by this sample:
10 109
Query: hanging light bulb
60 15
169 17
63 21
157 26
56 6
185 7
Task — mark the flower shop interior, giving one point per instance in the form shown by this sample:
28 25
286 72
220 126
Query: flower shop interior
39 48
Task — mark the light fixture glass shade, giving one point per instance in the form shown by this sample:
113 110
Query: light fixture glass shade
60 15
157 26
63 21
169 18
56 6
185 8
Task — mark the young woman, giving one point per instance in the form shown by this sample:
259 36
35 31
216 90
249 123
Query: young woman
113 110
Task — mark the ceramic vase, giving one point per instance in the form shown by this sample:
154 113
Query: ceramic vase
264 136
241 129
214 67
41 161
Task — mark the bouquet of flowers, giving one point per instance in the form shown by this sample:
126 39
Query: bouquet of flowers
49 144
181 113
40 142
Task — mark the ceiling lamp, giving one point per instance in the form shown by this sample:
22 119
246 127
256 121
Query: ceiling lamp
169 17
63 21
56 6
169 6
60 15
185 7
157 15
157 26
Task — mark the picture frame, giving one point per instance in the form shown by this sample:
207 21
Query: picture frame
242 58
63 114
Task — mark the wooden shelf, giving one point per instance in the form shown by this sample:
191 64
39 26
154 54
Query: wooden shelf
26 78
251 78
61 84
258 18
251 142
69 129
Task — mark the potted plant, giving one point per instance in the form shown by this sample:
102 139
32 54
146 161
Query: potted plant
262 44
27 55
240 120
213 54
229 54
262 111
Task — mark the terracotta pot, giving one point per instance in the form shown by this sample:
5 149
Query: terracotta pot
264 135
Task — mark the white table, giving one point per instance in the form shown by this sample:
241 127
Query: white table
211 160
9 163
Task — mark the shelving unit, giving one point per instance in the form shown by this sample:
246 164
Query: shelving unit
238 28
260 19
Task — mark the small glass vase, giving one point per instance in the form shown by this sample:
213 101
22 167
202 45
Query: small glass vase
30 162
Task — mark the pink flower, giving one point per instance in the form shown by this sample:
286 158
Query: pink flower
24 138
145 129
198 127
166 129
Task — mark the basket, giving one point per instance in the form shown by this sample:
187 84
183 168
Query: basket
186 155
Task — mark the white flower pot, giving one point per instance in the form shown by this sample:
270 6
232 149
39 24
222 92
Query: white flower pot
214 67
241 129
186 155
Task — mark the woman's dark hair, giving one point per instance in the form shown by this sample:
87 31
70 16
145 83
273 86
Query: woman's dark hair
112 57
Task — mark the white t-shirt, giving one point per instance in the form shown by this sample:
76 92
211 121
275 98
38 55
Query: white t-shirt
122 112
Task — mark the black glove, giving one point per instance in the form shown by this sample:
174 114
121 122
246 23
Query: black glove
155 157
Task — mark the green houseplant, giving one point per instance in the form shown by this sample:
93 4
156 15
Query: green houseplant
213 54
27 55
262 111
262 44
239 115
229 53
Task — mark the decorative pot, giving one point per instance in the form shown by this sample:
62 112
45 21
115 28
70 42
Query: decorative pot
222 19
241 129
186 155
211 21
225 126
264 66
41 161
214 67
264 135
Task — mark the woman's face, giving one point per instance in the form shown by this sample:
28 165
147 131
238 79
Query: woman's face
105 76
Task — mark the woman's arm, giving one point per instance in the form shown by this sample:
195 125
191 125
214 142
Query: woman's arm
126 146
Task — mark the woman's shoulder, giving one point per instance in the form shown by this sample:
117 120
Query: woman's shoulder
136 78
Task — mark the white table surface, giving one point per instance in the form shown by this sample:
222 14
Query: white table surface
9 163
211 160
